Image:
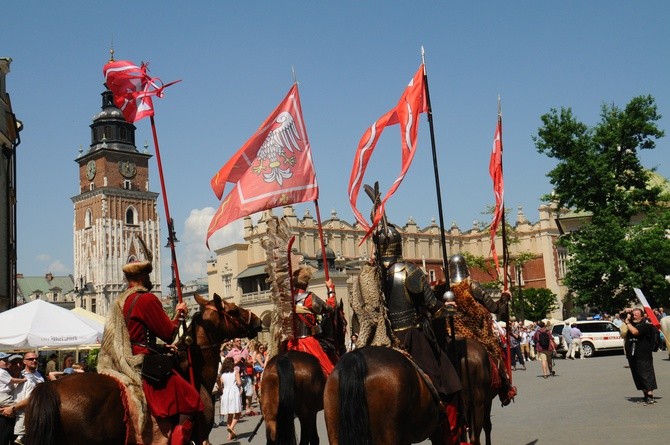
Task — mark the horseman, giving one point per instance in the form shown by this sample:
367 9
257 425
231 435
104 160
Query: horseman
308 310
409 299
139 320
474 320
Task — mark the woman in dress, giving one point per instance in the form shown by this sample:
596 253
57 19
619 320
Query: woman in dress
231 399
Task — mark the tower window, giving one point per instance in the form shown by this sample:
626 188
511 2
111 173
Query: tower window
91 186
131 216
107 132
127 184
123 133
88 219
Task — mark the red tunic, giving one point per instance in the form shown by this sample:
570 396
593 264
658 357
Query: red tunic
177 396
310 344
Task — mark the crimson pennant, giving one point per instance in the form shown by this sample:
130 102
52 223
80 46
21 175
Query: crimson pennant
133 88
496 172
273 168
406 113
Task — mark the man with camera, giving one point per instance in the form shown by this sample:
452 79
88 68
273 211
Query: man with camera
639 342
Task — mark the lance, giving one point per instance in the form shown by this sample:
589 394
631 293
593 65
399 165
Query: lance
171 237
429 114
508 355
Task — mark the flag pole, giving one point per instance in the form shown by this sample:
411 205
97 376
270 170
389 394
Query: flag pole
429 114
323 244
170 223
171 238
508 352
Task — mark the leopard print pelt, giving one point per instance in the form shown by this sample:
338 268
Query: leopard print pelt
474 321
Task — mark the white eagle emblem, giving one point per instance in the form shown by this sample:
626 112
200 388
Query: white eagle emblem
273 152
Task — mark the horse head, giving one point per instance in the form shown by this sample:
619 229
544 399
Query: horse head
225 320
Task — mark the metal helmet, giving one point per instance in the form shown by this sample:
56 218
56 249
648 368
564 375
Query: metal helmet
389 245
458 269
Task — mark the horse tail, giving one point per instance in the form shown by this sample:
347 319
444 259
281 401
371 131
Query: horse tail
354 423
286 406
43 416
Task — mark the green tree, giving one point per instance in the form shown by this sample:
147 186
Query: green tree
598 168
599 171
536 303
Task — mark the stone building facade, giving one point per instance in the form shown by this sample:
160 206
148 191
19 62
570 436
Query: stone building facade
238 271
9 141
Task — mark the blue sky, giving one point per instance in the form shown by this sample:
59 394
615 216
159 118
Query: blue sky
352 60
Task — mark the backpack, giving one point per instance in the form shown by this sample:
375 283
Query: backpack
543 339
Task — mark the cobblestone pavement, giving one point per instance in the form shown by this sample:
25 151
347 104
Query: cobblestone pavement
591 401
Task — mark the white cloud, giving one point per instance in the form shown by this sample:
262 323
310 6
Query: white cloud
43 257
192 251
58 268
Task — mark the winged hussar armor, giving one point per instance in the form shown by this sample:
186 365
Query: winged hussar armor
277 255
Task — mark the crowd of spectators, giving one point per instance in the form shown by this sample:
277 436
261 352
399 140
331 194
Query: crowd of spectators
238 386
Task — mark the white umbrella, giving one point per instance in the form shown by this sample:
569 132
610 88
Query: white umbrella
41 324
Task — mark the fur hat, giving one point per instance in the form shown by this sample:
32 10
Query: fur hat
137 267
301 277
134 265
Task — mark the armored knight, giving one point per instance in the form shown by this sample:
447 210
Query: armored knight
473 318
408 298
308 307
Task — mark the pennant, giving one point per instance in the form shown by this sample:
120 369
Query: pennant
406 113
496 172
133 88
273 168
647 308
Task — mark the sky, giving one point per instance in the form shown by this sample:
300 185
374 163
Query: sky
352 60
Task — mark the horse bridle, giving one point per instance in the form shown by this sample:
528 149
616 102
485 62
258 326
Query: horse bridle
228 320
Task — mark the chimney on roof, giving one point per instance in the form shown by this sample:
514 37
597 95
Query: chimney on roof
49 277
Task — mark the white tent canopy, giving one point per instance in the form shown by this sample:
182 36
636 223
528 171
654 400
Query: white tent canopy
40 324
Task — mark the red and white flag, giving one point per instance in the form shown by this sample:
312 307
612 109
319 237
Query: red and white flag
133 88
496 172
273 168
406 113
647 309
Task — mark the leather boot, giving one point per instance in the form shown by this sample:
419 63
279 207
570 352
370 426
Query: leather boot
507 391
450 429
181 434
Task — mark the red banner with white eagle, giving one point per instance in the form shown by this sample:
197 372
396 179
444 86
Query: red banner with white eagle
133 88
406 113
273 168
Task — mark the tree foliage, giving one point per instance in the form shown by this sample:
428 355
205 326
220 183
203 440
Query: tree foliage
598 168
534 303
599 171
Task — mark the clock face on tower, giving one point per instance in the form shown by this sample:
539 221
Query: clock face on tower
128 169
90 170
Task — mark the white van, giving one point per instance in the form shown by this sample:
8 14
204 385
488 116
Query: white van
597 335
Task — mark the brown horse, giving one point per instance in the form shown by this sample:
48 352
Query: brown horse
88 409
376 396
292 385
478 392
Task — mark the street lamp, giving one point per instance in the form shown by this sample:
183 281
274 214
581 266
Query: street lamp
80 290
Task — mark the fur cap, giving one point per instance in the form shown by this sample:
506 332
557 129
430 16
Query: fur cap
138 267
